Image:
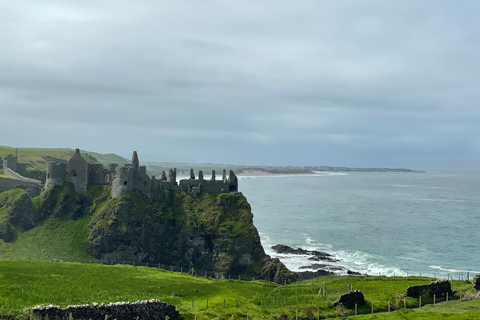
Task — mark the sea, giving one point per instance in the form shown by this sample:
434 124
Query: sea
377 223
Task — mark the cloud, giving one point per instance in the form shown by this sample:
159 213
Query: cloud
356 78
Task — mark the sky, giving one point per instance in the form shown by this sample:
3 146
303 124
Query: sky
343 83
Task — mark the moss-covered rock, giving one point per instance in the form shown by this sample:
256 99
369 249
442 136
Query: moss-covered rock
208 232
205 231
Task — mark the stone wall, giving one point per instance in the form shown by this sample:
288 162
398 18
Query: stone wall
56 174
132 176
78 172
12 174
147 309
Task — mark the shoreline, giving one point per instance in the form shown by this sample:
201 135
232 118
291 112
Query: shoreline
256 173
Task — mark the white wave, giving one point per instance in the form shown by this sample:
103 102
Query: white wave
353 260
337 173
441 200
453 270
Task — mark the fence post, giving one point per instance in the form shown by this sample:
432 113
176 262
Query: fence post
236 302
296 314
261 302
355 309
388 305
404 303
106 317
193 305
434 298
468 276
447 296
420 302
318 317
372 307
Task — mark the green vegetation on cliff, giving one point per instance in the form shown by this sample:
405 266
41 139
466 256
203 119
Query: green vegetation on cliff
209 232
26 284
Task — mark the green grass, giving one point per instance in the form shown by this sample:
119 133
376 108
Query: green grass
3 175
24 284
54 238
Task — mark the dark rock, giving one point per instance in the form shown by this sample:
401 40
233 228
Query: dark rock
314 266
476 282
439 288
348 300
22 212
6 232
323 256
354 273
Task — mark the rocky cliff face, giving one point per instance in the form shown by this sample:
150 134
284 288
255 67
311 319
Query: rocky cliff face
205 231
212 232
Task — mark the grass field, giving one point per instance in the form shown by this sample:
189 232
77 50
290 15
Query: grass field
24 284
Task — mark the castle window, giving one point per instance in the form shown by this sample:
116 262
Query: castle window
145 184
74 173
125 182
48 175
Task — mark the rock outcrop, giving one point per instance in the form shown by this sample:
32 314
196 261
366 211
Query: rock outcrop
476 282
348 300
316 255
439 288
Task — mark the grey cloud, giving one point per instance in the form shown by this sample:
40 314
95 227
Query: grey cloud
355 82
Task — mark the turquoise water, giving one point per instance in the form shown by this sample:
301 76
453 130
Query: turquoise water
387 223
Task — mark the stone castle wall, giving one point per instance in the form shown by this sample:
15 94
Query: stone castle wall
132 176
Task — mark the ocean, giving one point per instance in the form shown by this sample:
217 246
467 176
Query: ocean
375 223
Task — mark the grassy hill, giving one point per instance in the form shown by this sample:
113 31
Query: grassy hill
26 284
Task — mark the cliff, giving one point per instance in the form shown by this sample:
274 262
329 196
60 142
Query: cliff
209 232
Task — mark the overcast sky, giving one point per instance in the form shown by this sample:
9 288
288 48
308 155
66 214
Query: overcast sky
347 83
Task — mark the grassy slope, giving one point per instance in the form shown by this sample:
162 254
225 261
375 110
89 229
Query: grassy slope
25 284
53 238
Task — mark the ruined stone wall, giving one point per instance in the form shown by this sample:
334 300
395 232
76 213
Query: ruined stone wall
12 174
112 172
56 174
142 181
210 186
10 162
142 310
124 181
98 175
78 172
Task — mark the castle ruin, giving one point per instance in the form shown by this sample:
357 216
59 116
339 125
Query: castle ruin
132 176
